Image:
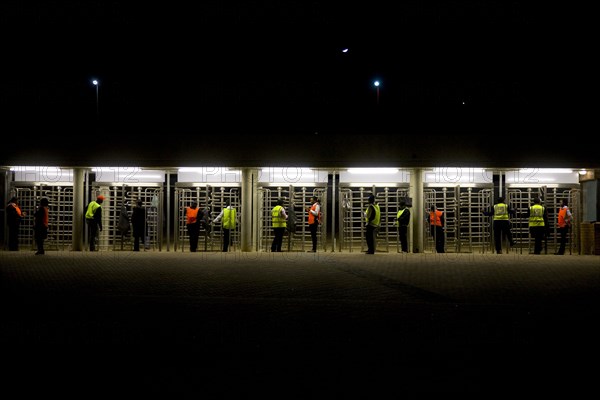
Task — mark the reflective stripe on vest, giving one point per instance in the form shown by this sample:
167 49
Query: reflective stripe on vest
377 219
92 207
500 212
562 217
192 215
278 219
536 215
229 218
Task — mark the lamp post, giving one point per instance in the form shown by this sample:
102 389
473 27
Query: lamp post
376 83
97 84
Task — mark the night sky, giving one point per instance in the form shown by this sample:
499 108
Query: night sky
264 67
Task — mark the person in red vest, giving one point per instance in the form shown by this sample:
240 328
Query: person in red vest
564 222
40 226
14 216
193 225
314 215
436 222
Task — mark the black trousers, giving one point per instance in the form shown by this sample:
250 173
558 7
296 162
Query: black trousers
538 233
40 236
371 240
438 234
93 233
136 241
313 235
226 239
194 232
563 239
403 236
13 237
502 227
278 239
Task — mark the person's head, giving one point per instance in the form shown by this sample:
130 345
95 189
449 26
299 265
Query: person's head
227 203
536 200
279 202
100 199
402 204
565 203
371 199
433 208
314 199
44 202
500 199
13 200
194 204
140 202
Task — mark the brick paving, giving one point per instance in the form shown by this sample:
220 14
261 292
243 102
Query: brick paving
320 325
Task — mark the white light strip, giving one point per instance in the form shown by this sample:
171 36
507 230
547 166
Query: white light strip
546 170
373 170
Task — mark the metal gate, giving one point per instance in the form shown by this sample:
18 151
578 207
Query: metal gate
119 195
295 200
520 199
185 194
60 213
352 206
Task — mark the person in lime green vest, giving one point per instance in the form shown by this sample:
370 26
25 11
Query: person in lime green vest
372 219
538 224
279 218
229 217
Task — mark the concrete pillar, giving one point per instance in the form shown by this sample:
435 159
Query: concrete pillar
417 212
249 207
78 208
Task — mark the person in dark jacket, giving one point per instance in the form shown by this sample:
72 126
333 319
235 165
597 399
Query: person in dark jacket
93 217
138 221
403 218
14 216
40 226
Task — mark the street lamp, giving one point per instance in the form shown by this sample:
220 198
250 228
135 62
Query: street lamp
376 83
97 84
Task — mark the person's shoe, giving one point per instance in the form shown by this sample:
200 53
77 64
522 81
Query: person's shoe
559 254
39 253
311 251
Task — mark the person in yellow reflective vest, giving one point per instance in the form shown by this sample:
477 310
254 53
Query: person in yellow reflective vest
229 217
279 218
372 220
93 217
501 213
538 224
403 219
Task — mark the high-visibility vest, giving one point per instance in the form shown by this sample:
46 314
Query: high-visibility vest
278 218
91 210
435 218
229 218
563 219
311 216
17 209
192 215
377 219
500 212
400 212
536 215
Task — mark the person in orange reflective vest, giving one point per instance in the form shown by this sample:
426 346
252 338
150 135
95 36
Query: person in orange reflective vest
14 216
314 212
437 222
193 225
40 226
564 223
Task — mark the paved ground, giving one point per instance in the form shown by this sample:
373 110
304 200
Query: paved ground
214 325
